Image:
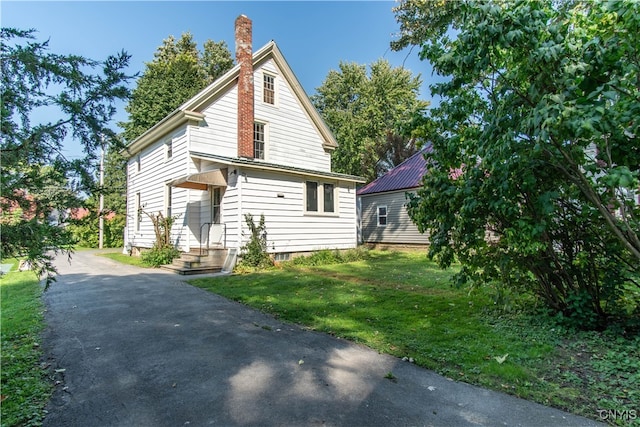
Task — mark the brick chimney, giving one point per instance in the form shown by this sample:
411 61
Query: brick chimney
244 57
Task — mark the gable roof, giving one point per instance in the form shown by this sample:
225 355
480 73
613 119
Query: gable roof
407 174
190 111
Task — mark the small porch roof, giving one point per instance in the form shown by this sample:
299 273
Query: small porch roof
202 180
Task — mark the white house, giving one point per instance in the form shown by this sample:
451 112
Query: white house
249 143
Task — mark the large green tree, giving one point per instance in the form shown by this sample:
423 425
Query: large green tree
536 153
178 71
78 96
371 115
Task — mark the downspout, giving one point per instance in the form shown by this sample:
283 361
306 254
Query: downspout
239 175
126 247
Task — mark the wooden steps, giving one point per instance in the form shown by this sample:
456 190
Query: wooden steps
210 261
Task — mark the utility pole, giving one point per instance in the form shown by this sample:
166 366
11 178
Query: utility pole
100 213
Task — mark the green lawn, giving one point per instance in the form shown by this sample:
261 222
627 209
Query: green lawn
25 386
400 303
395 302
124 259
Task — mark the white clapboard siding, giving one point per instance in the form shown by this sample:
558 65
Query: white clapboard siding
289 228
150 182
219 135
399 229
292 139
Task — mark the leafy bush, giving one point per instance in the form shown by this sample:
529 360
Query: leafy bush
162 228
163 251
254 253
86 231
536 189
155 257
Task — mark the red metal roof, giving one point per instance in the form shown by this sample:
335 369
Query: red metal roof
407 174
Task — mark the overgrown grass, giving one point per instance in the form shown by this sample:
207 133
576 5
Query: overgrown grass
401 304
25 386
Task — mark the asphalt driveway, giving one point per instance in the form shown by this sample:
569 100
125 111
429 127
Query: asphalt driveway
137 347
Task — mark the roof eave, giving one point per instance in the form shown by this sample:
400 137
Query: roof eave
259 165
172 121
397 190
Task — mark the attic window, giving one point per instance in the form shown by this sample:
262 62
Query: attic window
269 89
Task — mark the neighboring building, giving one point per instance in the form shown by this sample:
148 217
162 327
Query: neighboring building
382 204
80 213
238 148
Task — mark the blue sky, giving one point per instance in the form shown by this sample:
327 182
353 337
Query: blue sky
313 36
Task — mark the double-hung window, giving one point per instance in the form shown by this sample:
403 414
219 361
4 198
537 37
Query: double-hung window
269 89
312 196
258 140
168 202
329 202
382 216
138 213
320 197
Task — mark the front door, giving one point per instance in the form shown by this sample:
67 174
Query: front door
216 231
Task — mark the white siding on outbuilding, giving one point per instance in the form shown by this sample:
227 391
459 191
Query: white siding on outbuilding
399 228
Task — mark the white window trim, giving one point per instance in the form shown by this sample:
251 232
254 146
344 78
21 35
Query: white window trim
168 201
320 194
138 164
168 149
214 205
266 140
137 214
275 88
386 215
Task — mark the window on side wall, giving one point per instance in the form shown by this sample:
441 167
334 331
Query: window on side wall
258 140
138 167
168 149
320 197
269 89
382 215
329 202
168 202
312 196
138 213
